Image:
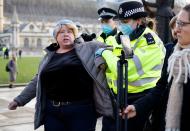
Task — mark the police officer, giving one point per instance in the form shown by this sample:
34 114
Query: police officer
109 28
144 69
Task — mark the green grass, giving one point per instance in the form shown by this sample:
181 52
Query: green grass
27 68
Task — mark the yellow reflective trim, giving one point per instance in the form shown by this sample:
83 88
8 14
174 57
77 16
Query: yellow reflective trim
157 67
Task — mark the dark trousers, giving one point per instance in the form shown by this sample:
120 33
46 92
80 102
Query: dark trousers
108 124
71 117
134 124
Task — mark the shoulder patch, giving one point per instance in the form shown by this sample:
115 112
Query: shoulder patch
149 38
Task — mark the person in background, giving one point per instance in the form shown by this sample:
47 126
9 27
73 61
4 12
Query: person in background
170 46
172 24
71 92
174 85
6 53
144 68
12 65
20 53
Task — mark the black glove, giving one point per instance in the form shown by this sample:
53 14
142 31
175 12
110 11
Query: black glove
88 37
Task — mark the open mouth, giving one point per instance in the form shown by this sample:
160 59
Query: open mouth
66 39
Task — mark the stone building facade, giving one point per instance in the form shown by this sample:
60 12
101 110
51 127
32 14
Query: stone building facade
28 24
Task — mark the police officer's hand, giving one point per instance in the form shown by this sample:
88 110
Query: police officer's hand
99 52
99 60
13 105
130 111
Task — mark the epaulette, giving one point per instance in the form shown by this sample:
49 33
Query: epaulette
149 38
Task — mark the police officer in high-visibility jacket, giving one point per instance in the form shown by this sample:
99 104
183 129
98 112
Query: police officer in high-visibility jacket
144 69
109 28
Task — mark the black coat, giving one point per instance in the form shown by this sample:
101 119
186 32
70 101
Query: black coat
157 99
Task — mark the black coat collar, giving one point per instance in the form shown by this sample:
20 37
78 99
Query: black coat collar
113 33
137 32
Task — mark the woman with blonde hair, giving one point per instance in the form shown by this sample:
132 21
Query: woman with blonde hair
66 84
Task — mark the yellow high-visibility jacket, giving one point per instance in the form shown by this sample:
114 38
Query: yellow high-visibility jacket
111 41
144 69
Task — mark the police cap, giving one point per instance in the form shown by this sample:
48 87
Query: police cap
107 13
131 9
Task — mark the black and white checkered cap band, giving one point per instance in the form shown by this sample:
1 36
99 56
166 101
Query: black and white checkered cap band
133 11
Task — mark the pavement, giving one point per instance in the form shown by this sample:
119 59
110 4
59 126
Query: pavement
22 118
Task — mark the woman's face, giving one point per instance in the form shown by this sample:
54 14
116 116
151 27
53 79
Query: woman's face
183 28
65 37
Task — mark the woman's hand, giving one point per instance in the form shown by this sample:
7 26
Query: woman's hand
13 105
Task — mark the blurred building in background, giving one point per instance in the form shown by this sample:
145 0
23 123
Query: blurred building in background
28 24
